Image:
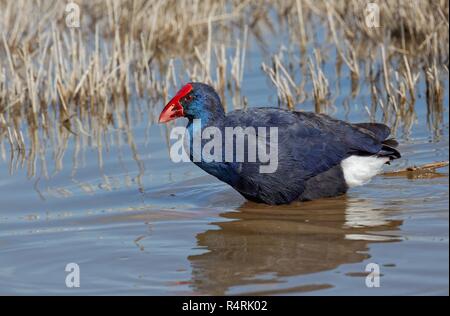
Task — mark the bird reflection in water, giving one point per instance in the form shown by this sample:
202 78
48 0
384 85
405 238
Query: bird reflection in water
260 244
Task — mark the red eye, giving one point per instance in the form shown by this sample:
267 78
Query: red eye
189 97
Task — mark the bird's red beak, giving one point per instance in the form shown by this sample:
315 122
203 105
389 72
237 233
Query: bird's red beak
174 109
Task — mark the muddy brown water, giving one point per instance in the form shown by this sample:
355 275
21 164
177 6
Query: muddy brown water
137 223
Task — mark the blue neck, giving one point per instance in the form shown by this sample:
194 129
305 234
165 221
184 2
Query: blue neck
223 170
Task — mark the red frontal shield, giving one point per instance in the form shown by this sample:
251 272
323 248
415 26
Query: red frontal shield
174 109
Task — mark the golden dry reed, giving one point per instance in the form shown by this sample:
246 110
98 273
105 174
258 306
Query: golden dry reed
58 82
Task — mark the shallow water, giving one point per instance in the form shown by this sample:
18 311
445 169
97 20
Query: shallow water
181 232
137 223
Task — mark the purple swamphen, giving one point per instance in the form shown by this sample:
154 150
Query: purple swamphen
317 156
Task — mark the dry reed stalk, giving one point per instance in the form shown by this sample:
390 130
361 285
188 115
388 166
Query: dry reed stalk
303 39
319 81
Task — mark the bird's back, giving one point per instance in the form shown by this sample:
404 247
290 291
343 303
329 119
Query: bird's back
310 150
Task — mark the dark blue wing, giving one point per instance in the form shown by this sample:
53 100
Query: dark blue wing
308 144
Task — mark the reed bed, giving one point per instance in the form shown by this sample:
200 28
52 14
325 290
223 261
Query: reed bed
59 82
411 39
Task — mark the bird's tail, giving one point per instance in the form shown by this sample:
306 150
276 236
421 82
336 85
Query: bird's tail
389 149
381 132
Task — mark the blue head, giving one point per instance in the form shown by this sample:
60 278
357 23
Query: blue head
195 100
